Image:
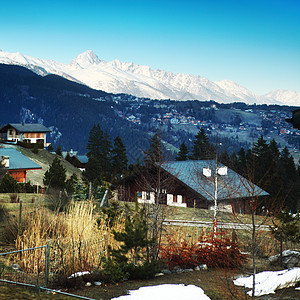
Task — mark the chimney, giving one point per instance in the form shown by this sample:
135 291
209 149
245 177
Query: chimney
207 172
5 161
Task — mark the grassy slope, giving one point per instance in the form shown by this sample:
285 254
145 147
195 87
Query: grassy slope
44 159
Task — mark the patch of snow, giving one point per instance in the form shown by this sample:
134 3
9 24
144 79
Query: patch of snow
78 274
269 281
166 291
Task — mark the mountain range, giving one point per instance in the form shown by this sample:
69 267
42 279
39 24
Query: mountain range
142 81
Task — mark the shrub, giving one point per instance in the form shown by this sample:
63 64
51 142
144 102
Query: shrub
214 252
144 271
14 198
31 145
8 184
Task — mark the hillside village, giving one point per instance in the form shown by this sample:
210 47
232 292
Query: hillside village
243 122
123 186
180 185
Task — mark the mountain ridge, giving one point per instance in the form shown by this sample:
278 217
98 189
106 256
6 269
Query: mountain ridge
143 81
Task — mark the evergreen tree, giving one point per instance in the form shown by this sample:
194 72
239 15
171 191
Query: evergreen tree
55 177
290 180
225 159
241 162
202 149
155 152
93 170
8 184
71 183
58 151
119 158
263 163
99 154
68 157
133 238
50 148
183 153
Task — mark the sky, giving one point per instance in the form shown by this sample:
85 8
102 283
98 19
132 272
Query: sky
255 43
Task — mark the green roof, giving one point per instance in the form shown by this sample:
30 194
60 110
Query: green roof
230 186
18 161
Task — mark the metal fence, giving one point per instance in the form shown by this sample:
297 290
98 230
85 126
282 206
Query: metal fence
13 271
13 268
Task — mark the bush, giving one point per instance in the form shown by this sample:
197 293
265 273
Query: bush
14 198
113 271
31 145
145 271
8 184
26 187
214 252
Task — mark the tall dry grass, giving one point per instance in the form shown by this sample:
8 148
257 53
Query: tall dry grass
77 241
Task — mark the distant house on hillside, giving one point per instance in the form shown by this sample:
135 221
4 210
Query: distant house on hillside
16 163
31 133
191 184
83 159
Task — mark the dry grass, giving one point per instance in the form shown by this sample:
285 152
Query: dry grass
77 241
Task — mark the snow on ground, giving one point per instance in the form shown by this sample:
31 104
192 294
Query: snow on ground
166 291
269 281
78 274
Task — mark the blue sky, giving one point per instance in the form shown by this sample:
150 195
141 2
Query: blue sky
255 43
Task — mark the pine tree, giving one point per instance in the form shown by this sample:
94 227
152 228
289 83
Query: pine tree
241 163
155 152
202 149
225 159
99 154
133 238
183 153
263 163
55 177
290 180
119 158
58 151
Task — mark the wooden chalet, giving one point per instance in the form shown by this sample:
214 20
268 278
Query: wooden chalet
16 163
20 132
190 184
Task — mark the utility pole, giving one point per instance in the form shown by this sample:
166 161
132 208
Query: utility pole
215 198
216 193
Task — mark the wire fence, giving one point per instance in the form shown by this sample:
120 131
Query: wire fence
14 265
34 274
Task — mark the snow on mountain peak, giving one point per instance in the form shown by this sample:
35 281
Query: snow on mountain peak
85 59
142 81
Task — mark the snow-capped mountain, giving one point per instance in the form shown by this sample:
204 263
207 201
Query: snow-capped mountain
142 81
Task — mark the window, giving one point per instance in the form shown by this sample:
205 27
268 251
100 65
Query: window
148 195
183 199
175 198
10 132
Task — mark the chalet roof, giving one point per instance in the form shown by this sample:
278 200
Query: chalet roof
230 186
27 127
82 158
18 161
